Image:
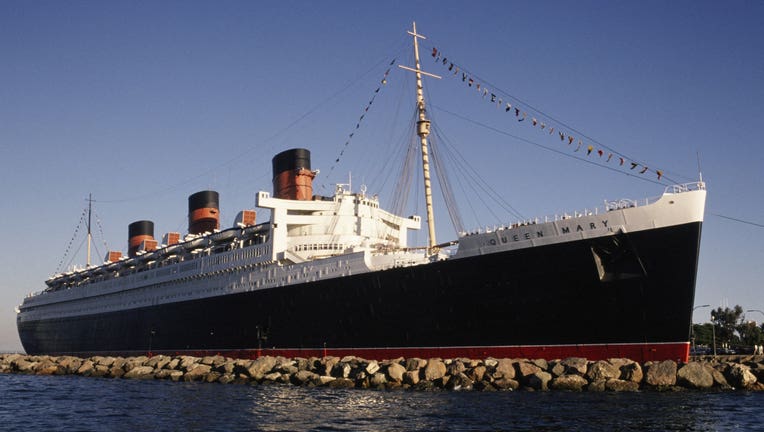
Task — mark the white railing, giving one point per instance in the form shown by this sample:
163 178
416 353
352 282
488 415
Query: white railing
610 205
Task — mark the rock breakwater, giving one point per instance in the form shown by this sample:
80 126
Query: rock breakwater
572 374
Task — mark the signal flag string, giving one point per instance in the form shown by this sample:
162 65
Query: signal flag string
521 115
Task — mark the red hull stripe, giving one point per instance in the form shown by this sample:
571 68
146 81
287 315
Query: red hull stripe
677 351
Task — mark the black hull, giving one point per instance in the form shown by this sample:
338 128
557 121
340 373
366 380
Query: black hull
627 289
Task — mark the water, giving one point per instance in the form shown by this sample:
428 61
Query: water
83 404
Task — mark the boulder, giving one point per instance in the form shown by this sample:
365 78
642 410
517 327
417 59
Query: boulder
197 372
140 372
261 367
506 384
573 382
459 381
411 377
303 377
372 367
86 368
435 369
415 364
661 374
395 372
505 368
341 383
602 370
478 372
378 379
328 364
575 365
525 369
740 376
632 371
694 375
70 364
539 380
618 385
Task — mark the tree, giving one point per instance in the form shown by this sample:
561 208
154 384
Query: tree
726 322
750 333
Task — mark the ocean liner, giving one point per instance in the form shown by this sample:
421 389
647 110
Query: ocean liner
335 275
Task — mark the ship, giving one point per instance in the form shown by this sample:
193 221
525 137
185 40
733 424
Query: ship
336 276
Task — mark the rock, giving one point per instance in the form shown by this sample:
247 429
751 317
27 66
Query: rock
341 383
526 369
372 367
86 368
186 362
740 376
505 368
378 379
719 379
328 364
70 364
395 372
459 381
694 375
226 378
197 372
341 370
176 375
455 367
273 376
23 365
102 371
323 380
105 361
572 382
115 372
506 384
491 362
618 385
575 365
660 374
539 380
602 370
596 386
541 363
632 371
303 377
415 364
411 377
435 369
46 367
477 373
211 376
558 369
140 372
260 367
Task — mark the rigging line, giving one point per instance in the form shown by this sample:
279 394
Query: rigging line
551 149
550 117
475 176
737 220
243 153
480 182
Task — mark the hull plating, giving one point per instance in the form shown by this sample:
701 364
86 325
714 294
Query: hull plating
627 295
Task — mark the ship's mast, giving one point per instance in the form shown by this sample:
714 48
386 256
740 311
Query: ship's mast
90 236
423 130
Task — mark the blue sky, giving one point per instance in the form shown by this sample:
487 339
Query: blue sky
144 103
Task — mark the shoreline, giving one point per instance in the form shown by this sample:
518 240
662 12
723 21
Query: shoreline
490 374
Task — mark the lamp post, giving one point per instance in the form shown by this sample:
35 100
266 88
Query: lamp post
755 310
692 335
713 333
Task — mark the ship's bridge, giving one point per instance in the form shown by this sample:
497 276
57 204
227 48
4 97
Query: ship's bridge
303 230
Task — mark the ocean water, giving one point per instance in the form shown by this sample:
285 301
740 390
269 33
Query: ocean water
94 404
